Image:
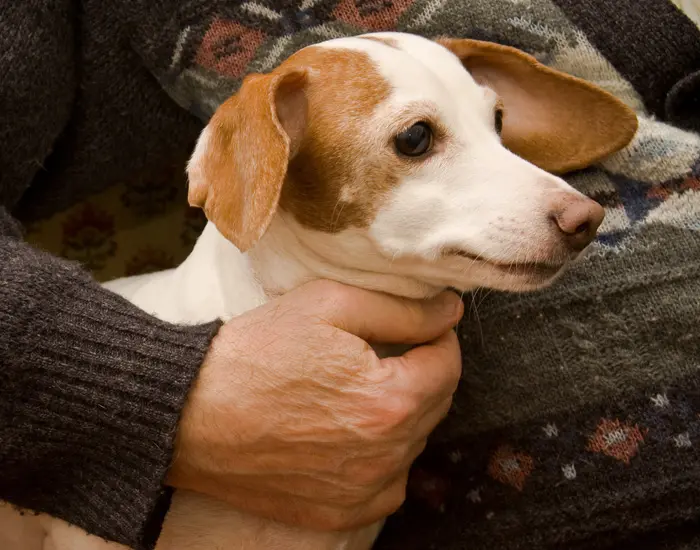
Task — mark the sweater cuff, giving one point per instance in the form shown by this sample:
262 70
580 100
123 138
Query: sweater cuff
92 392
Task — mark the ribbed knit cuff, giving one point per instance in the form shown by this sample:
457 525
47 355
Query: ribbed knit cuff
91 393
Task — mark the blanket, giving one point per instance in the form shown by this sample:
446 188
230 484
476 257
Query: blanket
577 421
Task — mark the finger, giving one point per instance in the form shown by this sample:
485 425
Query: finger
379 317
280 506
413 453
429 372
304 513
432 418
315 490
384 504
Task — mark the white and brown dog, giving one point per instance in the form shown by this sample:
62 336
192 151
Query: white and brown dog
386 161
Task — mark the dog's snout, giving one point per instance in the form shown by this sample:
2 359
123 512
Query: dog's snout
578 219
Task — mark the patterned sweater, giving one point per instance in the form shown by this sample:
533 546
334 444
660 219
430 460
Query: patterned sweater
577 423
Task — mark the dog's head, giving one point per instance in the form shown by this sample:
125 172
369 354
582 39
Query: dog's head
397 154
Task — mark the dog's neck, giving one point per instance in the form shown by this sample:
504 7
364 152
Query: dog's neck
282 261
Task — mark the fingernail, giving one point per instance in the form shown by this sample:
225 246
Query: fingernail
450 303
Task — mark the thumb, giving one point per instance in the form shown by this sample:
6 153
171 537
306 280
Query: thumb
380 318
432 370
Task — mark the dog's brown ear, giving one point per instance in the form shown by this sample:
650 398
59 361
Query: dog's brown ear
240 162
556 121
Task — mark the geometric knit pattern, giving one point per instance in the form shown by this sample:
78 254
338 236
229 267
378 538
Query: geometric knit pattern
233 45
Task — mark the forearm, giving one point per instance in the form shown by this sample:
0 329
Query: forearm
91 393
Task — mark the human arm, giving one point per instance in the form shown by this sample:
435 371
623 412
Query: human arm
92 391
93 388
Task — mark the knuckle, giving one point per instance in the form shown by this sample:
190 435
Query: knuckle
397 458
387 417
398 413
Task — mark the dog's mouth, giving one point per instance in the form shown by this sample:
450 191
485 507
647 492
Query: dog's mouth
538 270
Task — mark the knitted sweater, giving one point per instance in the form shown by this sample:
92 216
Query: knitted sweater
576 424
92 390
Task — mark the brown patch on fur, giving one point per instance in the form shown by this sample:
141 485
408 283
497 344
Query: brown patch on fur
567 124
301 137
382 40
342 171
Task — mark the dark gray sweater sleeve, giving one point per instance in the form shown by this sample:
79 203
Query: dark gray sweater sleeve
91 389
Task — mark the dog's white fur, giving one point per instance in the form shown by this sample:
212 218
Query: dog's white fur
475 196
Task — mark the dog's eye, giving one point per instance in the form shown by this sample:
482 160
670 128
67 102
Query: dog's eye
498 120
415 141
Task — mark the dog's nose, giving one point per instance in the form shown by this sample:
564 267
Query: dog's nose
578 219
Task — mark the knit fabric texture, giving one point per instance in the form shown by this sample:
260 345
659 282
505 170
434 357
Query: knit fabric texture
576 424
92 390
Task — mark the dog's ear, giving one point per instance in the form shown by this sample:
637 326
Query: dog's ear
240 161
556 121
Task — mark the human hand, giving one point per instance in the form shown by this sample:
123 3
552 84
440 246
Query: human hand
295 418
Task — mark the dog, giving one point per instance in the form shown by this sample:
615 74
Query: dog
386 161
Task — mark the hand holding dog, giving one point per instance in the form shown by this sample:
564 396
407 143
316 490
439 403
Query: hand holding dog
295 418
